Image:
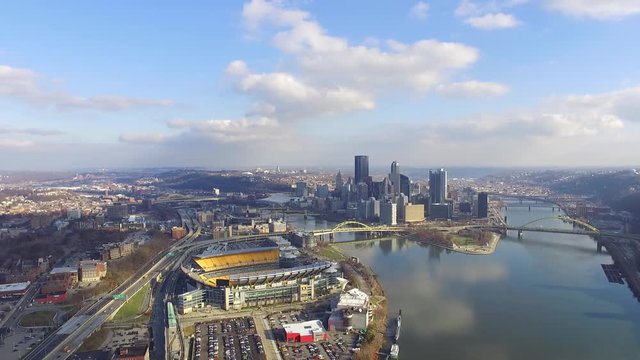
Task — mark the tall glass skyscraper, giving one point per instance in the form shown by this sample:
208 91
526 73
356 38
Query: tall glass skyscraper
361 168
394 176
438 186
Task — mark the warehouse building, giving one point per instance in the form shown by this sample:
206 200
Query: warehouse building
309 331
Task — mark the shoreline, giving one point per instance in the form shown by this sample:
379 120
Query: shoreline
367 279
466 249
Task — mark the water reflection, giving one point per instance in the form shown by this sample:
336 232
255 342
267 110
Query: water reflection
544 296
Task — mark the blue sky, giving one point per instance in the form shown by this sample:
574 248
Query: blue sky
230 83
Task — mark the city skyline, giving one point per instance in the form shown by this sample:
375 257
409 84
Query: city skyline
467 83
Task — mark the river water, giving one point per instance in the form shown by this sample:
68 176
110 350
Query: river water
542 297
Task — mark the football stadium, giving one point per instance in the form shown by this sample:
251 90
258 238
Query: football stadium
254 273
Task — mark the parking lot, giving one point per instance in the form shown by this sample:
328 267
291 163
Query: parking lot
19 342
126 337
339 345
227 339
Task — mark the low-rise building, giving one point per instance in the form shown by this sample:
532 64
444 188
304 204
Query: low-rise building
14 290
91 270
350 311
308 331
178 232
138 352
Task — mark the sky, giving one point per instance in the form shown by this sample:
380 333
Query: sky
220 84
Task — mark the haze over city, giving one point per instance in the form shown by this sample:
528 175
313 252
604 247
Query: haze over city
214 84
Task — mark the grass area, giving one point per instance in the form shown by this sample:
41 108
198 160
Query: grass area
331 253
188 330
133 305
95 341
38 318
463 240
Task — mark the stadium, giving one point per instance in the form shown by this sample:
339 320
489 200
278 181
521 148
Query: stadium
254 273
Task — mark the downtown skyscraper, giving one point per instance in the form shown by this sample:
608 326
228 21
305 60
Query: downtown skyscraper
438 186
361 168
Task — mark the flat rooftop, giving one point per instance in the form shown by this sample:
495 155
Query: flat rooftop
15 286
304 328
63 270
224 248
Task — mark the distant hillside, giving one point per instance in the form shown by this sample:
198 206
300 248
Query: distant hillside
205 181
620 190
606 187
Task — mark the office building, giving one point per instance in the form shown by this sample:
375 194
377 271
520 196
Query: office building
361 168
394 176
405 186
401 201
322 191
74 213
374 206
362 191
339 182
388 213
413 213
440 211
483 205
438 186
465 207
301 189
117 211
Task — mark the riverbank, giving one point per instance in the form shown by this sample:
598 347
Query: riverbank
363 277
468 249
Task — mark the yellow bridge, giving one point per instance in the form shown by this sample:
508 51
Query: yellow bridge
355 226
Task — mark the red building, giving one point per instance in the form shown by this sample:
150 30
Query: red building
309 331
178 232
52 298
132 353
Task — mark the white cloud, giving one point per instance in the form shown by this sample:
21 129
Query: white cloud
333 76
332 61
228 131
623 104
287 97
419 11
145 139
14 143
29 131
596 9
468 8
23 84
473 89
493 21
489 15
575 116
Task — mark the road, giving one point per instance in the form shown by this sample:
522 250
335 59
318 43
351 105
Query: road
70 336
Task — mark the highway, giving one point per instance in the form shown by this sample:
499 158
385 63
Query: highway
68 338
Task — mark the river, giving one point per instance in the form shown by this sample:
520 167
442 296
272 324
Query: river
542 297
